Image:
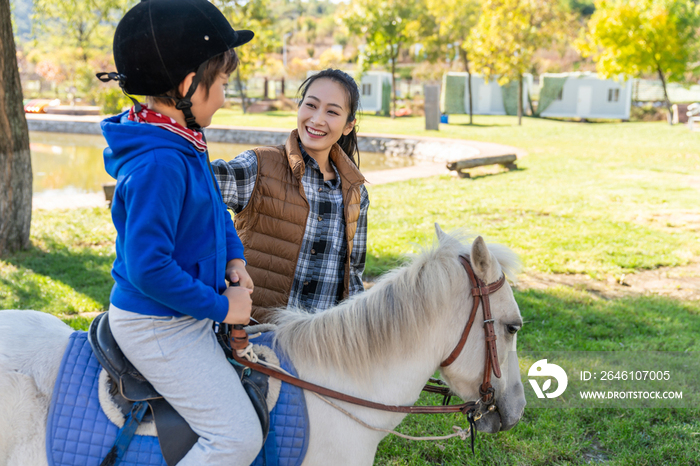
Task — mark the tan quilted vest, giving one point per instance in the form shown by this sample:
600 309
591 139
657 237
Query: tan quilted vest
272 225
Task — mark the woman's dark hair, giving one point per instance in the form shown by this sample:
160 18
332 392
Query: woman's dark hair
347 143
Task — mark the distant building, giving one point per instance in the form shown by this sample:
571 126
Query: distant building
584 95
489 97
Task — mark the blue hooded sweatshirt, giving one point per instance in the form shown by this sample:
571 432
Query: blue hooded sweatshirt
174 234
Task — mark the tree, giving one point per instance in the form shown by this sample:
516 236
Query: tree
447 26
15 160
387 26
634 37
80 24
330 59
256 55
72 40
508 34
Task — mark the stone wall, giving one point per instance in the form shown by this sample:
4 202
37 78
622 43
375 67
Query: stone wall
433 149
64 126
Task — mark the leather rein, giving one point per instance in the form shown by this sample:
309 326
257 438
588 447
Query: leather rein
480 291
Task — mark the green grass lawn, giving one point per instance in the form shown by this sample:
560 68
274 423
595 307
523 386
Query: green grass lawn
601 199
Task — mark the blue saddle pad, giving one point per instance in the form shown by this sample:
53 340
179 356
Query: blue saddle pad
78 432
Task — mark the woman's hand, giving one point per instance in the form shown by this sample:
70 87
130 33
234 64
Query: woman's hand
236 273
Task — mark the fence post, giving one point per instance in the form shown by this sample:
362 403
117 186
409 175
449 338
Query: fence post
432 107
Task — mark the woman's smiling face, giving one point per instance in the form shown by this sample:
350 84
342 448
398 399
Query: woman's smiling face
323 116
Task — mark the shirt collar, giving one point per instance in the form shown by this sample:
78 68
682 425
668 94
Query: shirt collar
311 162
147 115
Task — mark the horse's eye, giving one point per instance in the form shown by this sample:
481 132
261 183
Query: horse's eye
512 329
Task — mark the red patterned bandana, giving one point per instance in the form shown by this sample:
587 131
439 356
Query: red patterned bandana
165 122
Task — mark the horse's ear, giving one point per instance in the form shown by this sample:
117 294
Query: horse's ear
481 258
440 234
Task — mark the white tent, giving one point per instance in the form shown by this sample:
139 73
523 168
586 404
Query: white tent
489 97
584 95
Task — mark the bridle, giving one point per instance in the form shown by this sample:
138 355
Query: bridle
474 409
481 292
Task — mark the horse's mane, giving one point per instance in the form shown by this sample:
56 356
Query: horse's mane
388 317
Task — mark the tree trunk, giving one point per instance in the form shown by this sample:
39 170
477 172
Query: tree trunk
282 86
265 91
15 160
668 101
244 104
465 60
520 101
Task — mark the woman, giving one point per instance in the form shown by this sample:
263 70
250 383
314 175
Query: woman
301 208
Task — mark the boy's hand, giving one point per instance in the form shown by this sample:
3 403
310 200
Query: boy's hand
236 272
239 305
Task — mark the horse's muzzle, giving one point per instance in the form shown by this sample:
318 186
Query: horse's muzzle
493 422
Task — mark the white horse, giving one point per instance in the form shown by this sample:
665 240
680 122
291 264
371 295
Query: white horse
381 345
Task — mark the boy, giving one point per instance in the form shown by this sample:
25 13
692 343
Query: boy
176 242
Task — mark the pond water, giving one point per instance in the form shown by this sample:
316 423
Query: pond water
72 163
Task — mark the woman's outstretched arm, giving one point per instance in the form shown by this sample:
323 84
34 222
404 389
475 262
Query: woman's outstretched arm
237 179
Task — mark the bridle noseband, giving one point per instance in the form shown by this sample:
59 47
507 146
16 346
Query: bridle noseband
480 292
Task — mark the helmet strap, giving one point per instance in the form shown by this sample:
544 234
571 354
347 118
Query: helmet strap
185 104
121 79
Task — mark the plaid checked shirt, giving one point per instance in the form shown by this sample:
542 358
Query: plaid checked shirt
318 278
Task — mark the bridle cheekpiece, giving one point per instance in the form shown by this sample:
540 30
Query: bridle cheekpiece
480 291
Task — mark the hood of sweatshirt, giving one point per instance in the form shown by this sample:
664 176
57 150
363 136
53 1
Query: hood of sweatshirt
128 140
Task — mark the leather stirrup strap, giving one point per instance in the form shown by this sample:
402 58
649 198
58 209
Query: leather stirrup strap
125 434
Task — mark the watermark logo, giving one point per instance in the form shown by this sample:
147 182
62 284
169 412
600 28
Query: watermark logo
543 369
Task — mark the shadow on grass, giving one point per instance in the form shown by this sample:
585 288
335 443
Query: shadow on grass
85 271
565 319
477 176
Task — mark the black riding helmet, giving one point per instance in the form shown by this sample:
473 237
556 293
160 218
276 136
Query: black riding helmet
159 42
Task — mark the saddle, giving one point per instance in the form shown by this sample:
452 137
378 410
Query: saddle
175 436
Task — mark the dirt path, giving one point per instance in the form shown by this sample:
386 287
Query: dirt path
674 282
